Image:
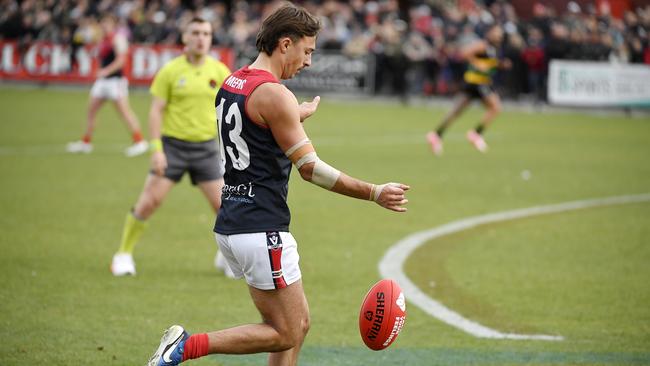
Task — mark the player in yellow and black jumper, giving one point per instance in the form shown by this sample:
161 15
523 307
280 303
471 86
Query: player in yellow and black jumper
483 62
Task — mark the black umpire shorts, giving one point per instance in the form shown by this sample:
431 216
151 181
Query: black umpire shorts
478 91
200 159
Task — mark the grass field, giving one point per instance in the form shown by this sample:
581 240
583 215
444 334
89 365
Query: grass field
582 274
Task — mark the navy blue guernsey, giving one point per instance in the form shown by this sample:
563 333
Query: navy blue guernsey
256 178
107 54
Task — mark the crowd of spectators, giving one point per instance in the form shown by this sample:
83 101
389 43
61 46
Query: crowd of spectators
415 44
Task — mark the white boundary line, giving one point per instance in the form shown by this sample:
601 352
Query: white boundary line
325 141
58 149
392 263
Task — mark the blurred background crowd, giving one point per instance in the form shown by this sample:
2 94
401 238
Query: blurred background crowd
414 44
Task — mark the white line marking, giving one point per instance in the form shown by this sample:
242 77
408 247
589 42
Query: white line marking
392 140
57 149
391 265
324 141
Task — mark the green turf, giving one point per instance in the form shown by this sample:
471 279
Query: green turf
530 275
582 274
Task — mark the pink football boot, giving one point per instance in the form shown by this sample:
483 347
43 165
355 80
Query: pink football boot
477 140
435 142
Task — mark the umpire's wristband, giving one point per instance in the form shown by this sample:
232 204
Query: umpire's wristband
155 145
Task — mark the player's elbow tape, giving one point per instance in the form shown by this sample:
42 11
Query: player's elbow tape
297 146
310 157
323 174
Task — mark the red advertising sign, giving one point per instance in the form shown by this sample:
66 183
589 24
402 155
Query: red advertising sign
54 63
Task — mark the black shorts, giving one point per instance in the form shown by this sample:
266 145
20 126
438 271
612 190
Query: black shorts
478 91
200 159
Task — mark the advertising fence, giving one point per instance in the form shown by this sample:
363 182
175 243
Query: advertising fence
598 84
55 63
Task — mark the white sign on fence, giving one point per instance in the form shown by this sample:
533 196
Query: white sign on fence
581 83
333 71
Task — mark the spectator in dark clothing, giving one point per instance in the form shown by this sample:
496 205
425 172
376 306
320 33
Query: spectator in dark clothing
11 24
636 50
578 33
515 77
558 46
541 20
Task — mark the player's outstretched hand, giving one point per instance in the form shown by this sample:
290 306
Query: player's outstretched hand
158 162
308 108
391 196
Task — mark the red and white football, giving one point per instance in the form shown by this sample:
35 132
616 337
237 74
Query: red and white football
382 315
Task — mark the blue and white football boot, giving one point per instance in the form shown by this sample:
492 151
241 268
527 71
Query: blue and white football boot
172 345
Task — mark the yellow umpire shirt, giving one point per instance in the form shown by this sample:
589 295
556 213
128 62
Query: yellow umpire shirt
189 91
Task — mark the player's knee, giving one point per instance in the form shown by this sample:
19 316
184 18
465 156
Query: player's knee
291 337
496 108
300 332
286 343
305 324
286 340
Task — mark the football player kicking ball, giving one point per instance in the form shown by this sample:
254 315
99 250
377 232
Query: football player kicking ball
483 63
262 136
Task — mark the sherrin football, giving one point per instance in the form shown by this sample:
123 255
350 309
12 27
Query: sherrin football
382 315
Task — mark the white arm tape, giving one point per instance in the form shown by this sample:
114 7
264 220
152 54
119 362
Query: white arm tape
308 158
324 175
297 146
376 192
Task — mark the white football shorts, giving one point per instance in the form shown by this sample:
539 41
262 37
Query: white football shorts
110 88
267 260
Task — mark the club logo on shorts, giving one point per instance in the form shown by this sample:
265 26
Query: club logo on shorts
273 240
274 245
213 83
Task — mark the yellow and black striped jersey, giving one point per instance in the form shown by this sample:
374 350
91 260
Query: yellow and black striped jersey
482 67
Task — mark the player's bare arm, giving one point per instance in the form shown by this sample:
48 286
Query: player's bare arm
158 159
275 106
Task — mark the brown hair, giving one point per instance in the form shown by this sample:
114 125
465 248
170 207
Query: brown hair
194 20
288 21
